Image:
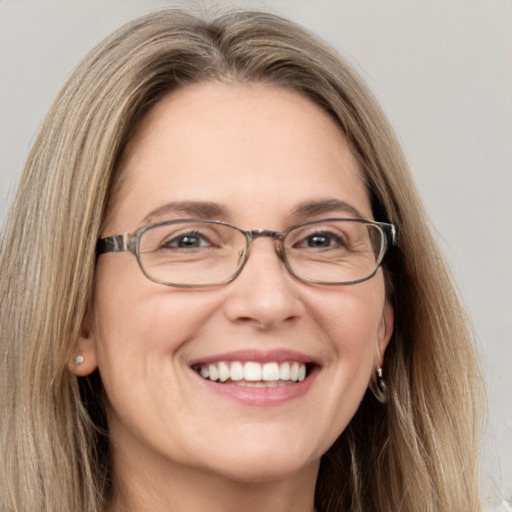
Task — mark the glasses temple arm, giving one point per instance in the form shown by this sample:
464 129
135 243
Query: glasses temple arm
115 243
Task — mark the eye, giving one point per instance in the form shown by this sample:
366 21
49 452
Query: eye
188 240
321 240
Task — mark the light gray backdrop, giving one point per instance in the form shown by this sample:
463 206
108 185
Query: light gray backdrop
443 72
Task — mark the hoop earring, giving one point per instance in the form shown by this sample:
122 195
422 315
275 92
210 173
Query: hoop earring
378 386
79 359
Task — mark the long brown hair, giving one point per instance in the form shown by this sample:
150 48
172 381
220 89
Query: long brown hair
417 453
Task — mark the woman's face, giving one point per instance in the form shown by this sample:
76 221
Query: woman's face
265 158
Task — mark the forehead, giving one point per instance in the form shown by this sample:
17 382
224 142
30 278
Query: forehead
251 147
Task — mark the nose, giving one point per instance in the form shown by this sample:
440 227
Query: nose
264 295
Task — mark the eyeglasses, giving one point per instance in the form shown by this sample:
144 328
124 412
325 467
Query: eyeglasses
197 252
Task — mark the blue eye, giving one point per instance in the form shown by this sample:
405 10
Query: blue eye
191 240
321 241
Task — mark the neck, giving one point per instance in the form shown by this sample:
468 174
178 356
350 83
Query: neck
182 489
167 486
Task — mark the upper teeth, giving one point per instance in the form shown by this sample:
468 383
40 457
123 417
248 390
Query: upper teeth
252 371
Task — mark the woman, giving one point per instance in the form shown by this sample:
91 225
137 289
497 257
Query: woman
152 362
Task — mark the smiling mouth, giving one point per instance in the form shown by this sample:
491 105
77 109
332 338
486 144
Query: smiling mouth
254 374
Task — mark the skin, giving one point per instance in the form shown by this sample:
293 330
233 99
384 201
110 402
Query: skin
259 151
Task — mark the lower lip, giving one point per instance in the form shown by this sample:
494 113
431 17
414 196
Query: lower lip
261 396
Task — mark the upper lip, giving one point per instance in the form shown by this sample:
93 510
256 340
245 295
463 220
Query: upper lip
260 356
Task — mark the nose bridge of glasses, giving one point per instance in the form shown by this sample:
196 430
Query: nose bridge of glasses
257 233
277 236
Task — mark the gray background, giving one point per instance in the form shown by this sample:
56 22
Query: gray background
443 73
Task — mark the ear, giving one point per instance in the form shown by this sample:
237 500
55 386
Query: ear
83 359
385 332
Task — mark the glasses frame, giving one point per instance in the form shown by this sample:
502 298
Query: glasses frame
130 242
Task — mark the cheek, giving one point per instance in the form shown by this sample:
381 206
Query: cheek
352 316
141 329
145 322
136 320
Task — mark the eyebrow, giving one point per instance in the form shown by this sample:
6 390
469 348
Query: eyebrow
209 210
200 209
310 208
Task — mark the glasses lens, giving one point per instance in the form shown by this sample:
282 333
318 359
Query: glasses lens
191 253
338 251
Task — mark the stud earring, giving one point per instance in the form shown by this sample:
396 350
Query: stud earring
378 386
79 359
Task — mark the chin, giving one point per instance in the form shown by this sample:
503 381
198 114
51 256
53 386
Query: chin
263 460
260 470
